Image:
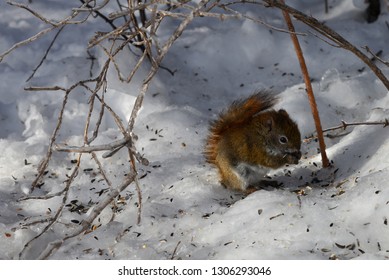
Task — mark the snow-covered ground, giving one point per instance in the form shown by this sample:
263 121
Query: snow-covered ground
341 212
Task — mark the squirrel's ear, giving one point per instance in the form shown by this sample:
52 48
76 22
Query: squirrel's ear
283 112
269 122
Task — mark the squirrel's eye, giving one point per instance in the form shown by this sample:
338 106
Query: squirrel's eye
283 139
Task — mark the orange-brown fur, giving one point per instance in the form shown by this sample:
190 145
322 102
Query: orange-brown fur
243 139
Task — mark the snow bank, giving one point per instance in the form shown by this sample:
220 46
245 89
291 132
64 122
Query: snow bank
341 212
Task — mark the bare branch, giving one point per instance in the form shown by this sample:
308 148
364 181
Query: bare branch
88 8
90 149
87 222
37 15
375 56
309 88
25 42
330 34
345 125
41 33
55 88
59 210
43 165
46 53
177 33
239 15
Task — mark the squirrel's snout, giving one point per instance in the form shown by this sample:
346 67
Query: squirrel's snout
297 156
293 157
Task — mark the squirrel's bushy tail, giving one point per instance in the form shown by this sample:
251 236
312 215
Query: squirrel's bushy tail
240 112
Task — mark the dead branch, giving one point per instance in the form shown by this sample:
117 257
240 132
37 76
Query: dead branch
309 89
25 42
46 53
99 82
175 250
154 69
117 30
59 210
177 33
43 197
326 9
45 162
67 20
240 15
87 222
106 179
55 88
345 125
330 34
89 8
112 148
89 149
33 12
376 56
43 165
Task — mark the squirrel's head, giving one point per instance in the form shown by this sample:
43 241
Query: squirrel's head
282 137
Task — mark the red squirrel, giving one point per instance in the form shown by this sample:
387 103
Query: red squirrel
249 138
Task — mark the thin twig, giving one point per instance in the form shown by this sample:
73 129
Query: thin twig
46 53
100 84
41 221
375 56
112 147
55 88
326 9
239 15
87 222
43 197
45 162
344 125
175 250
155 66
137 185
92 58
309 88
330 34
59 210
106 179
90 8
25 42
65 21
177 33
33 12
89 149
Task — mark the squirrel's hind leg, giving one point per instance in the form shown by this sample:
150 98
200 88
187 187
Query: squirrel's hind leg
243 177
262 185
230 178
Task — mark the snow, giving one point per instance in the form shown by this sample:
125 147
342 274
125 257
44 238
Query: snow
341 212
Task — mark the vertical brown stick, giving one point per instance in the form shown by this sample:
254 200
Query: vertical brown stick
330 34
309 89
